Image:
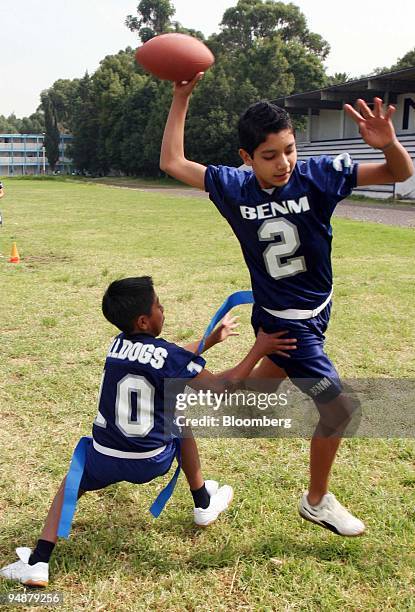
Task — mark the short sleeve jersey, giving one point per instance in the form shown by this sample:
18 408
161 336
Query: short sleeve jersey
285 233
133 414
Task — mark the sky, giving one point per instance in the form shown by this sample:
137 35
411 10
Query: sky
45 40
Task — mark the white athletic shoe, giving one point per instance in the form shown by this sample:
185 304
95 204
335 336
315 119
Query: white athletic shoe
31 575
332 515
220 499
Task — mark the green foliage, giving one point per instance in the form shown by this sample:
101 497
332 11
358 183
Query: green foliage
85 127
406 61
117 115
61 97
51 130
153 18
251 20
34 124
338 78
305 67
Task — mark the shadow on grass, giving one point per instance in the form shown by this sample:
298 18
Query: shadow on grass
124 539
114 532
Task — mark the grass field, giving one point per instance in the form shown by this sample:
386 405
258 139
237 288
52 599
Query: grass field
74 239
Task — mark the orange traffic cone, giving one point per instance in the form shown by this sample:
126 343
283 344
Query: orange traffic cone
14 255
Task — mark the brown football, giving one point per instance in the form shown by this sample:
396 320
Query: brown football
174 57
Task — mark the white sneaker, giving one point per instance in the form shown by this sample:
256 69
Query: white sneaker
329 513
31 575
220 499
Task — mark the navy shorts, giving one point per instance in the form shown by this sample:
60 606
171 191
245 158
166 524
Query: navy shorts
101 471
309 367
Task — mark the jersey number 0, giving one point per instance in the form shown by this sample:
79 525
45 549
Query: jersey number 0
144 392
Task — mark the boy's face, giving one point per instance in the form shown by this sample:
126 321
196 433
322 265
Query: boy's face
153 323
273 161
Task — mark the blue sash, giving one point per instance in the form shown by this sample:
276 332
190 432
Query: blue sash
77 464
235 299
163 497
73 478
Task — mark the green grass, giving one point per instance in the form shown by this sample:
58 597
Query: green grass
74 238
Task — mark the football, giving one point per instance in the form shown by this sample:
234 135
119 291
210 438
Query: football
174 57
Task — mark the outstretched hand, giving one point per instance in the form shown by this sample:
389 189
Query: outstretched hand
375 125
226 328
185 88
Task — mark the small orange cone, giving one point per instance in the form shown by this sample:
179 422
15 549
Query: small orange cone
14 255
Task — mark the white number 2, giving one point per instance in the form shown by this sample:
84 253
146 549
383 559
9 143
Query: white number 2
144 423
287 246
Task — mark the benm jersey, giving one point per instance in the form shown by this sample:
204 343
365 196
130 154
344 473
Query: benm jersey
285 233
133 415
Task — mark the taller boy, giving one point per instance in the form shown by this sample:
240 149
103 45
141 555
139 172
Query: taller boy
280 212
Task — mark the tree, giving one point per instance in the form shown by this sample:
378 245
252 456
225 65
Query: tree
251 20
10 124
83 148
52 135
406 61
153 18
338 78
305 67
34 124
63 95
117 116
131 127
115 79
269 43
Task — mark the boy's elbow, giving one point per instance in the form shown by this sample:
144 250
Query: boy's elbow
404 176
167 166
163 165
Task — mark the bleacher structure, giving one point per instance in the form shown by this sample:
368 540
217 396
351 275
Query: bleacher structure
329 131
361 152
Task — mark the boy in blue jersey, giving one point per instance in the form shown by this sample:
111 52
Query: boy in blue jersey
280 210
132 436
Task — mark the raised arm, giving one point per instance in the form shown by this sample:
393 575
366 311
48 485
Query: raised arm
377 130
172 158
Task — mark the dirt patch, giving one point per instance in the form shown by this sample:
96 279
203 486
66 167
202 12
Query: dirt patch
48 258
387 214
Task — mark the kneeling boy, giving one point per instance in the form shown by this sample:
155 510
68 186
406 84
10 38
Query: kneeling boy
130 439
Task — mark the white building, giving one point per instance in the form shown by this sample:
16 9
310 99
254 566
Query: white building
22 154
330 131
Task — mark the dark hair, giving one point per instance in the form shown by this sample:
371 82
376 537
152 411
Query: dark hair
259 120
127 299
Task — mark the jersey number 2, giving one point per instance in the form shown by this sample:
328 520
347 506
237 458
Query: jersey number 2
289 242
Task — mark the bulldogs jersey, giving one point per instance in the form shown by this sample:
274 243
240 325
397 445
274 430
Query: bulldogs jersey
285 233
132 414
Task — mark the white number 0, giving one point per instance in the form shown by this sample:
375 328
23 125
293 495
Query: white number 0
140 427
287 246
